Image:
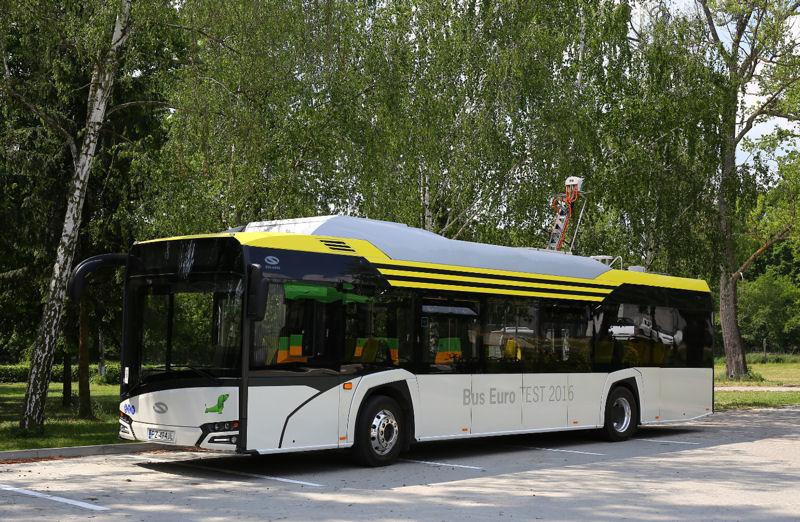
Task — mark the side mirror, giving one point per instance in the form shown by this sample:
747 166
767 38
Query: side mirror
257 286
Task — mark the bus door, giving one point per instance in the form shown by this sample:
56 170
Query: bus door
447 339
293 392
497 385
545 389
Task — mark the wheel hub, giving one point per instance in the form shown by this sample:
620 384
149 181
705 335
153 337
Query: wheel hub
383 432
621 414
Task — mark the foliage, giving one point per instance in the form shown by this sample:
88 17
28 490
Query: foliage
770 310
459 117
19 373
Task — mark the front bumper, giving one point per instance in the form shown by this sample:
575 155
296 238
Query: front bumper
200 437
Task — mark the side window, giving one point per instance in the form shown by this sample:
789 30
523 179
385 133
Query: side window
697 342
625 337
503 340
448 334
667 334
267 333
565 339
300 325
379 331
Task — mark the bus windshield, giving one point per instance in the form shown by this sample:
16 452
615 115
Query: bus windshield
186 328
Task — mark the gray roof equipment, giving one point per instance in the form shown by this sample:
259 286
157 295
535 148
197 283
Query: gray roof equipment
401 242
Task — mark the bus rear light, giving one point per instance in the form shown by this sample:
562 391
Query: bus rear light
347 386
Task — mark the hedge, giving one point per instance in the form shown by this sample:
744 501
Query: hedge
19 373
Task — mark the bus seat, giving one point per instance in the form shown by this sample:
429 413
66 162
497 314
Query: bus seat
370 351
449 349
291 350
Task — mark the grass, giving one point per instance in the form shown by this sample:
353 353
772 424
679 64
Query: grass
62 426
766 374
737 400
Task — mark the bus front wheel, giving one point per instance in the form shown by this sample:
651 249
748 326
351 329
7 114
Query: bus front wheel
379 432
622 415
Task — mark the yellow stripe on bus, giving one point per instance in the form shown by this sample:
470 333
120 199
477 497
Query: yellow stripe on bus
471 289
470 279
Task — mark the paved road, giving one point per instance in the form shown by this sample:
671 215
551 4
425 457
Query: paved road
734 465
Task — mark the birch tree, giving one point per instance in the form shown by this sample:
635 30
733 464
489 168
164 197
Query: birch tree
82 145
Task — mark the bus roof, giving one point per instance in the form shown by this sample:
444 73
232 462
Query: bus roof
396 247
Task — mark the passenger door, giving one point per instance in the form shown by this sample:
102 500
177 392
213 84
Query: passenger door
497 390
447 346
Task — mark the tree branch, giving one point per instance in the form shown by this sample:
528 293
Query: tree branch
211 37
121 106
713 29
781 114
780 236
762 110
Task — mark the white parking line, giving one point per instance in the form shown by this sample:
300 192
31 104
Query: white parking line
429 463
229 471
77 503
251 475
671 441
568 451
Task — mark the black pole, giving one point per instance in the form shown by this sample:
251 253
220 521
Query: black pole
170 317
66 379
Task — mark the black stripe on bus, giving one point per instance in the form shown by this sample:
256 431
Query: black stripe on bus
492 286
522 279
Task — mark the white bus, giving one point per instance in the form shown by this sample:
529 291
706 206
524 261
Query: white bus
340 332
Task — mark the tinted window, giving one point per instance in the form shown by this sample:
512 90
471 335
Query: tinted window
448 334
379 331
299 325
564 340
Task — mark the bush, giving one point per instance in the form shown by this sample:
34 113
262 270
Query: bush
19 373
13 373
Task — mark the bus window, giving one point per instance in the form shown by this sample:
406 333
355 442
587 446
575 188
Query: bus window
564 339
379 331
667 334
509 330
624 338
696 345
300 325
449 332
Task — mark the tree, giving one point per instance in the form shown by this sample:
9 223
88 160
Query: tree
50 52
770 311
757 51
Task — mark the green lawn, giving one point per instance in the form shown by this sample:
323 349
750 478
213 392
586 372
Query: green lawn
62 425
774 374
738 400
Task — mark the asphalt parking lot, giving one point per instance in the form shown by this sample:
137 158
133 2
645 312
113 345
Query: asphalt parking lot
735 465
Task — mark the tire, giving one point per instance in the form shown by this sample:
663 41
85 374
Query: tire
622 415
380 431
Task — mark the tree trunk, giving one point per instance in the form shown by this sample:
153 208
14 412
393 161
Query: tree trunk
726 200
735 362
101 86
84 399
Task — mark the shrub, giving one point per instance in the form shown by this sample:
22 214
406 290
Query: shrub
19 373
13 373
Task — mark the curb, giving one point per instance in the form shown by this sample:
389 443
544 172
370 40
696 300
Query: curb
83 451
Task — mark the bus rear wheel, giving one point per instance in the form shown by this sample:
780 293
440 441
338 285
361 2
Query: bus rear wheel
379 432
622 415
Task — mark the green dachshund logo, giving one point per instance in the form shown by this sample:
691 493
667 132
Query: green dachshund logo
217 408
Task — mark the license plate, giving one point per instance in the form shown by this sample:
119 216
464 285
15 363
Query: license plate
161 435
